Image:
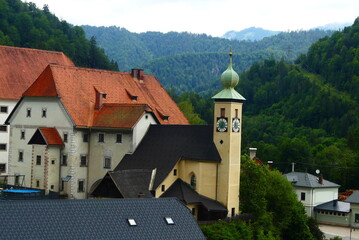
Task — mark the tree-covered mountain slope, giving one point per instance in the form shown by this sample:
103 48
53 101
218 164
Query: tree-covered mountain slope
155 51
22 24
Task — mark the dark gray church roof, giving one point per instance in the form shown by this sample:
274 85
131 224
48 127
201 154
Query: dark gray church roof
184 192
97 219
164 145
334 206
302 179
354 198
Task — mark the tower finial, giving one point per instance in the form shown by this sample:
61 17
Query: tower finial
230 54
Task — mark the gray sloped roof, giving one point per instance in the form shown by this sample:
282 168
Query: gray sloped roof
184 192
335 206
97 219
164 145
302 179
354 198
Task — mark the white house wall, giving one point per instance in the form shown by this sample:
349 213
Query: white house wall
140 129
4 136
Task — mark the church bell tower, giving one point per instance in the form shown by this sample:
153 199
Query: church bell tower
227 138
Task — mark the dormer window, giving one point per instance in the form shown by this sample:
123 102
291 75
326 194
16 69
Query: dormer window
131 222
169 221
131 95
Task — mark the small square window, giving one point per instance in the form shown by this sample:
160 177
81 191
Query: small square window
28 112
37 183
22 134
3 147
107 162
38 160
3 109
119 138
64 160
83 161
21 156
101 137
2 167
131 222
81 185
169 221
85 137
52 162
65 137
3 128
52 187
163 188
174 172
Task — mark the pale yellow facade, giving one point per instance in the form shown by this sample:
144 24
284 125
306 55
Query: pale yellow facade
229 147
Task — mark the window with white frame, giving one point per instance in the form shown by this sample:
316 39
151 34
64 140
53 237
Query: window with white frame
22 134
107 162
38 160
3 128
21 156
66 136
4 109
83 160
3 146
81 185
101 137
44 113
28 112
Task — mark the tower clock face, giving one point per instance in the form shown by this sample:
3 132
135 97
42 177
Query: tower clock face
236 124
222 124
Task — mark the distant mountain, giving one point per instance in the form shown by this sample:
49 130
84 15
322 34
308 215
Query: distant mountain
334 26
249 34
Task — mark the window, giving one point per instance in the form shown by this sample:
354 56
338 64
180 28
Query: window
163 188
83 161
21 156
17 180
169 221
174 172
62 185
107 162
2 167
65 137
52 162
119 138
44 113
131 222
52 187
236 113
101 137
28 112
193 182
356 218
3 109
64 160
85 137
81 185
193 211
2 146
38 160
37 183
3 128
302 196
22 134
233 212
223 112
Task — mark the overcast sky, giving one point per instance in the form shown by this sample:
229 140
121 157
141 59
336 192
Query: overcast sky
213 17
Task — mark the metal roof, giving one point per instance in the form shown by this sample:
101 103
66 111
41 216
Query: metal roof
301 179
354 198
97 219
334 206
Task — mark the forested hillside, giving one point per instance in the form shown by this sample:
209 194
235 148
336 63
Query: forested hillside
196 60
24 25
307 113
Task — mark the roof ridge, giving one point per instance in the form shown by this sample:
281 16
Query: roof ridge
32 49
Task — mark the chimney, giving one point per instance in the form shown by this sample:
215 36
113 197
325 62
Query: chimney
252 152
141 195
270 163
320 180
137 74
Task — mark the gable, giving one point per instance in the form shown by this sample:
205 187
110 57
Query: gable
46 136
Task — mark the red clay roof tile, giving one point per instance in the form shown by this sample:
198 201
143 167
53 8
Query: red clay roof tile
76 87
21 66
51 136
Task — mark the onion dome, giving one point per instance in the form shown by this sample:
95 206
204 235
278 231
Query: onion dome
229 77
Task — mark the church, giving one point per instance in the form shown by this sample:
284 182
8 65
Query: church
198 164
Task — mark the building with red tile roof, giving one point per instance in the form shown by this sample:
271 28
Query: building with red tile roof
100 116
19 68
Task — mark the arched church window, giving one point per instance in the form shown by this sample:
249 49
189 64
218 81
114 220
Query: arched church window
193 182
